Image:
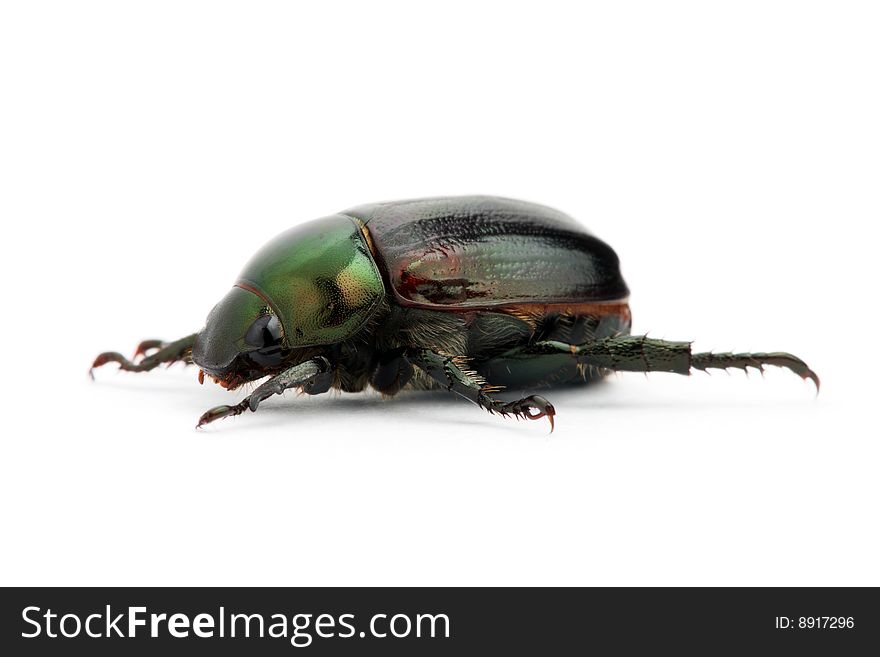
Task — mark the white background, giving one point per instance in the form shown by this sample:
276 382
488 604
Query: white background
728 151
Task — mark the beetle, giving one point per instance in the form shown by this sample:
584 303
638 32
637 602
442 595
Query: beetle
473 294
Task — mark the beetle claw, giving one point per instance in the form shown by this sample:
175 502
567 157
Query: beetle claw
108 357
159 352
217 413
147 345
530 408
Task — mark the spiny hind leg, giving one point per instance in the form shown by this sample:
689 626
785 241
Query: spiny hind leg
757 360
452 373
638 353
160 352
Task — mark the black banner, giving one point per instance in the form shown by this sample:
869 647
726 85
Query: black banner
407 621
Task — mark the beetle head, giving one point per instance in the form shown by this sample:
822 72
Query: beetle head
242 340
314 285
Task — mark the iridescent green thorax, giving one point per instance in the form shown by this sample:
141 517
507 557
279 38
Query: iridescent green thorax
319 278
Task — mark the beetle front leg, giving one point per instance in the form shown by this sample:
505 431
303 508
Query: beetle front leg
638 353
162 352
313 376
451 372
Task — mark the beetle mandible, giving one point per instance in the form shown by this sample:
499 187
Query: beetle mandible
470 294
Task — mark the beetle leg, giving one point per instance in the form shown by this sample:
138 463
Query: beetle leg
148 345
452 373
172 352
313 376
707 360
638 353
392 372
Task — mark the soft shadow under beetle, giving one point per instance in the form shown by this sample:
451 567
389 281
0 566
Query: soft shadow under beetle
470 294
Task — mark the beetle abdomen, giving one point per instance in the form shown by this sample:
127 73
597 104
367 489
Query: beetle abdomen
464 253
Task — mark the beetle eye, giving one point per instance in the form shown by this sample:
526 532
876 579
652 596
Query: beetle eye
264 332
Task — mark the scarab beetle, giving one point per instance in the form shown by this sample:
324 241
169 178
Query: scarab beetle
471 294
